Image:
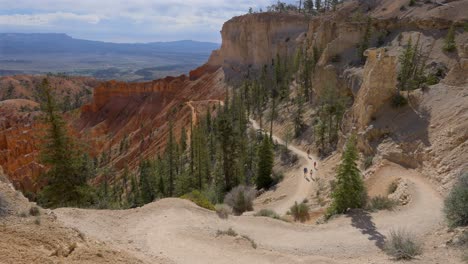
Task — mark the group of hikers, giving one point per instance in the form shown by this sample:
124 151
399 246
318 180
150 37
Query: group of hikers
311 172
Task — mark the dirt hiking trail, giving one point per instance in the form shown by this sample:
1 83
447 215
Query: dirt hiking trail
177 231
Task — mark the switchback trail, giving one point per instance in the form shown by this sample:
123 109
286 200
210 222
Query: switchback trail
296 186
177 231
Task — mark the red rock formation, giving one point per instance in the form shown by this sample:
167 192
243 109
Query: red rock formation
141 112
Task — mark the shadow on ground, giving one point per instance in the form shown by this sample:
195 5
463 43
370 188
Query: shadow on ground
362 220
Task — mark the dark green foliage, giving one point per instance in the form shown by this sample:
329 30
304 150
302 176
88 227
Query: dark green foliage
349 191
381 203
3 205
398 101
412 2
300 212
66 182
331 107
199 199
402 245
265 165
449 43
240 199
456 204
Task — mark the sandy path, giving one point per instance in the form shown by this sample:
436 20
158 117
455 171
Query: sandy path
294 187
177 231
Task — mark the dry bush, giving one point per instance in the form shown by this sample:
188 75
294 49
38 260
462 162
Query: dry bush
223 211
267 213
229 232
240 199
402 245
381 203
300 212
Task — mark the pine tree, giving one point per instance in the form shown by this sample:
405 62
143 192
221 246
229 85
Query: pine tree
406 66
265 164
309 6
170 157
349 190
318 5
183 140
66 182
147 184
299 116
449 43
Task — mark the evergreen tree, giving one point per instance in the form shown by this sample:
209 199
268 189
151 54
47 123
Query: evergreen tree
318 5
66 181
309 6
299 116
147 183
183 140
349 190
170 157
449 42
265 164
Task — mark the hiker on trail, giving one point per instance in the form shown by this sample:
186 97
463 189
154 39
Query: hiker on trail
311 175
308 153
315 165
305 172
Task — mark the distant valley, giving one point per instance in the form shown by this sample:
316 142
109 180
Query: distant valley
60 53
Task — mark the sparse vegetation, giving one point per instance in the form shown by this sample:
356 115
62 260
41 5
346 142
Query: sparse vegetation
265 164
402 245
252 242
368 161
37 221
456 204
3 205
267 213
229 232
380 203
199 199
399 101
240 199
223 211
449 43
300 212
34 211
392 187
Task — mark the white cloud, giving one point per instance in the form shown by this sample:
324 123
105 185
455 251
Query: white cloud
156 19
46 19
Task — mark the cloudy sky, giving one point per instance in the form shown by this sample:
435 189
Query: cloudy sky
125 20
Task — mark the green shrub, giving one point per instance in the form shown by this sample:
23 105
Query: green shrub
37 221
456 204
412 2
392 187
267 213
300 212
240 199
398 101
402 245
368 161
223 211
229 232
431 79
381 203
34 211
199 199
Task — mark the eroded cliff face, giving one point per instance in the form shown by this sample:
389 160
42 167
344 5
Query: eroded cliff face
19 144
138 115
254 40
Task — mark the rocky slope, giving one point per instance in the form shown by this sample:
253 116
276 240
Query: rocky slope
141 113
